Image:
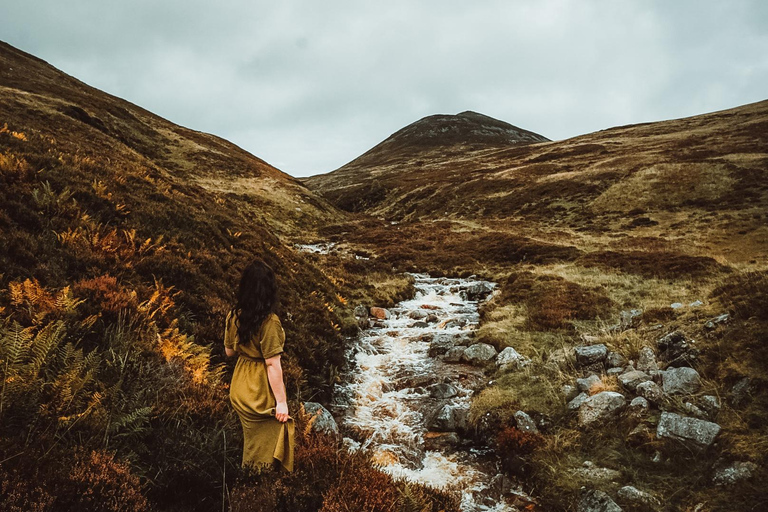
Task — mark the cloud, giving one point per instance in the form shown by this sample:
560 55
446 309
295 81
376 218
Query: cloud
311 85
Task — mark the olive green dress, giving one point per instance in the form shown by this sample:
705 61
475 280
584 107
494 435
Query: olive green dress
266 440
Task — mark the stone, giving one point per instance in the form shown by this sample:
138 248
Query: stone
595 474
734 473
631 379
646 361
569 392
694 410
441 344
640 435
442 391
596 501
380 313
479 291
478 353
601 408
525 423
454 355
418 314
586 383
634 496
450 418
676 305
628 319
695 304
510 359
740 392
361 311
615 360
321 420
576 402
432 318
591 354
615 371
677 350
711 405
714 322
691 431
438 440
683 380
650 391
638 407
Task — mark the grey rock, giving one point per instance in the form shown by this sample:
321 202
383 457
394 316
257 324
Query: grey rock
647 360
478 353
695 304
650 391
638 407
639 435
569 392
418 314
692 431
441 344
740 392
432 318
479 291
361 311
677 350
595 474
615 360
442 391
694 410
683 380
510 359
587 382
419 325
525 423
601 408
631 379
634 496
438 441
614 371
454 355
576 402
711 405
596 501
450 418
628 319
734 473
591 354
714 322
676 305
321 420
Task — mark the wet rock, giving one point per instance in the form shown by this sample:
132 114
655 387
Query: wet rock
601 408
525 423
419 325
586 383
361 311
596 501
478 353
450 418
441 344
711 405
454 354
418 314
631 379
591 354
479 291
320 419
510 359
380 313
432 318
650 391
442 391
646 361
576 402
714 322
569 392
438 440
634 496
453 323
692 431
734 473
615 360
683 380
740 392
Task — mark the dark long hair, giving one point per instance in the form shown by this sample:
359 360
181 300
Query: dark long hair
256 299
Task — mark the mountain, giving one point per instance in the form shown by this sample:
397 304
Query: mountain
437 136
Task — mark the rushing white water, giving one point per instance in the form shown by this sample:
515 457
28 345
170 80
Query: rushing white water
387 402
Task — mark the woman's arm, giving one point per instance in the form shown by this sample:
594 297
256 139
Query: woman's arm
275 376
230 352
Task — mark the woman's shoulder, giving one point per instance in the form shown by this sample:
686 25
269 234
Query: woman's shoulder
272 317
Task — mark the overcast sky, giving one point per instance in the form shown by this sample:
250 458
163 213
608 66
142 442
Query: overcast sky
310 85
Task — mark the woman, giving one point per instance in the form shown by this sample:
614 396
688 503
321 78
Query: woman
254 333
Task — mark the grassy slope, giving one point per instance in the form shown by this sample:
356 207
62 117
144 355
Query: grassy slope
123 237
635 217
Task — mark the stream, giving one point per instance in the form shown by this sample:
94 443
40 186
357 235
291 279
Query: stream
407 407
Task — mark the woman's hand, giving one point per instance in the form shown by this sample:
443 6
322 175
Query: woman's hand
281 412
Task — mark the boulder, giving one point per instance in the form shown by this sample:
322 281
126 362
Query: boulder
510 359
525 423
479 290
380 313
634 496
694 432
586 383
478 353
596 501
321 420
646 361
631 379
441 344
694 410
615 360
683 380
417 314
591 354
638 407
442 391
361 311
601 408
436 441
450 418
711 405
576 402
454 355
734 473
650 391
569 392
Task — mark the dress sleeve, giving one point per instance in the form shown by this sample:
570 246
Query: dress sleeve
273 338
230 332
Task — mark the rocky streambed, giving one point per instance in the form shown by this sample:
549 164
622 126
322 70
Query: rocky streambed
406 395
